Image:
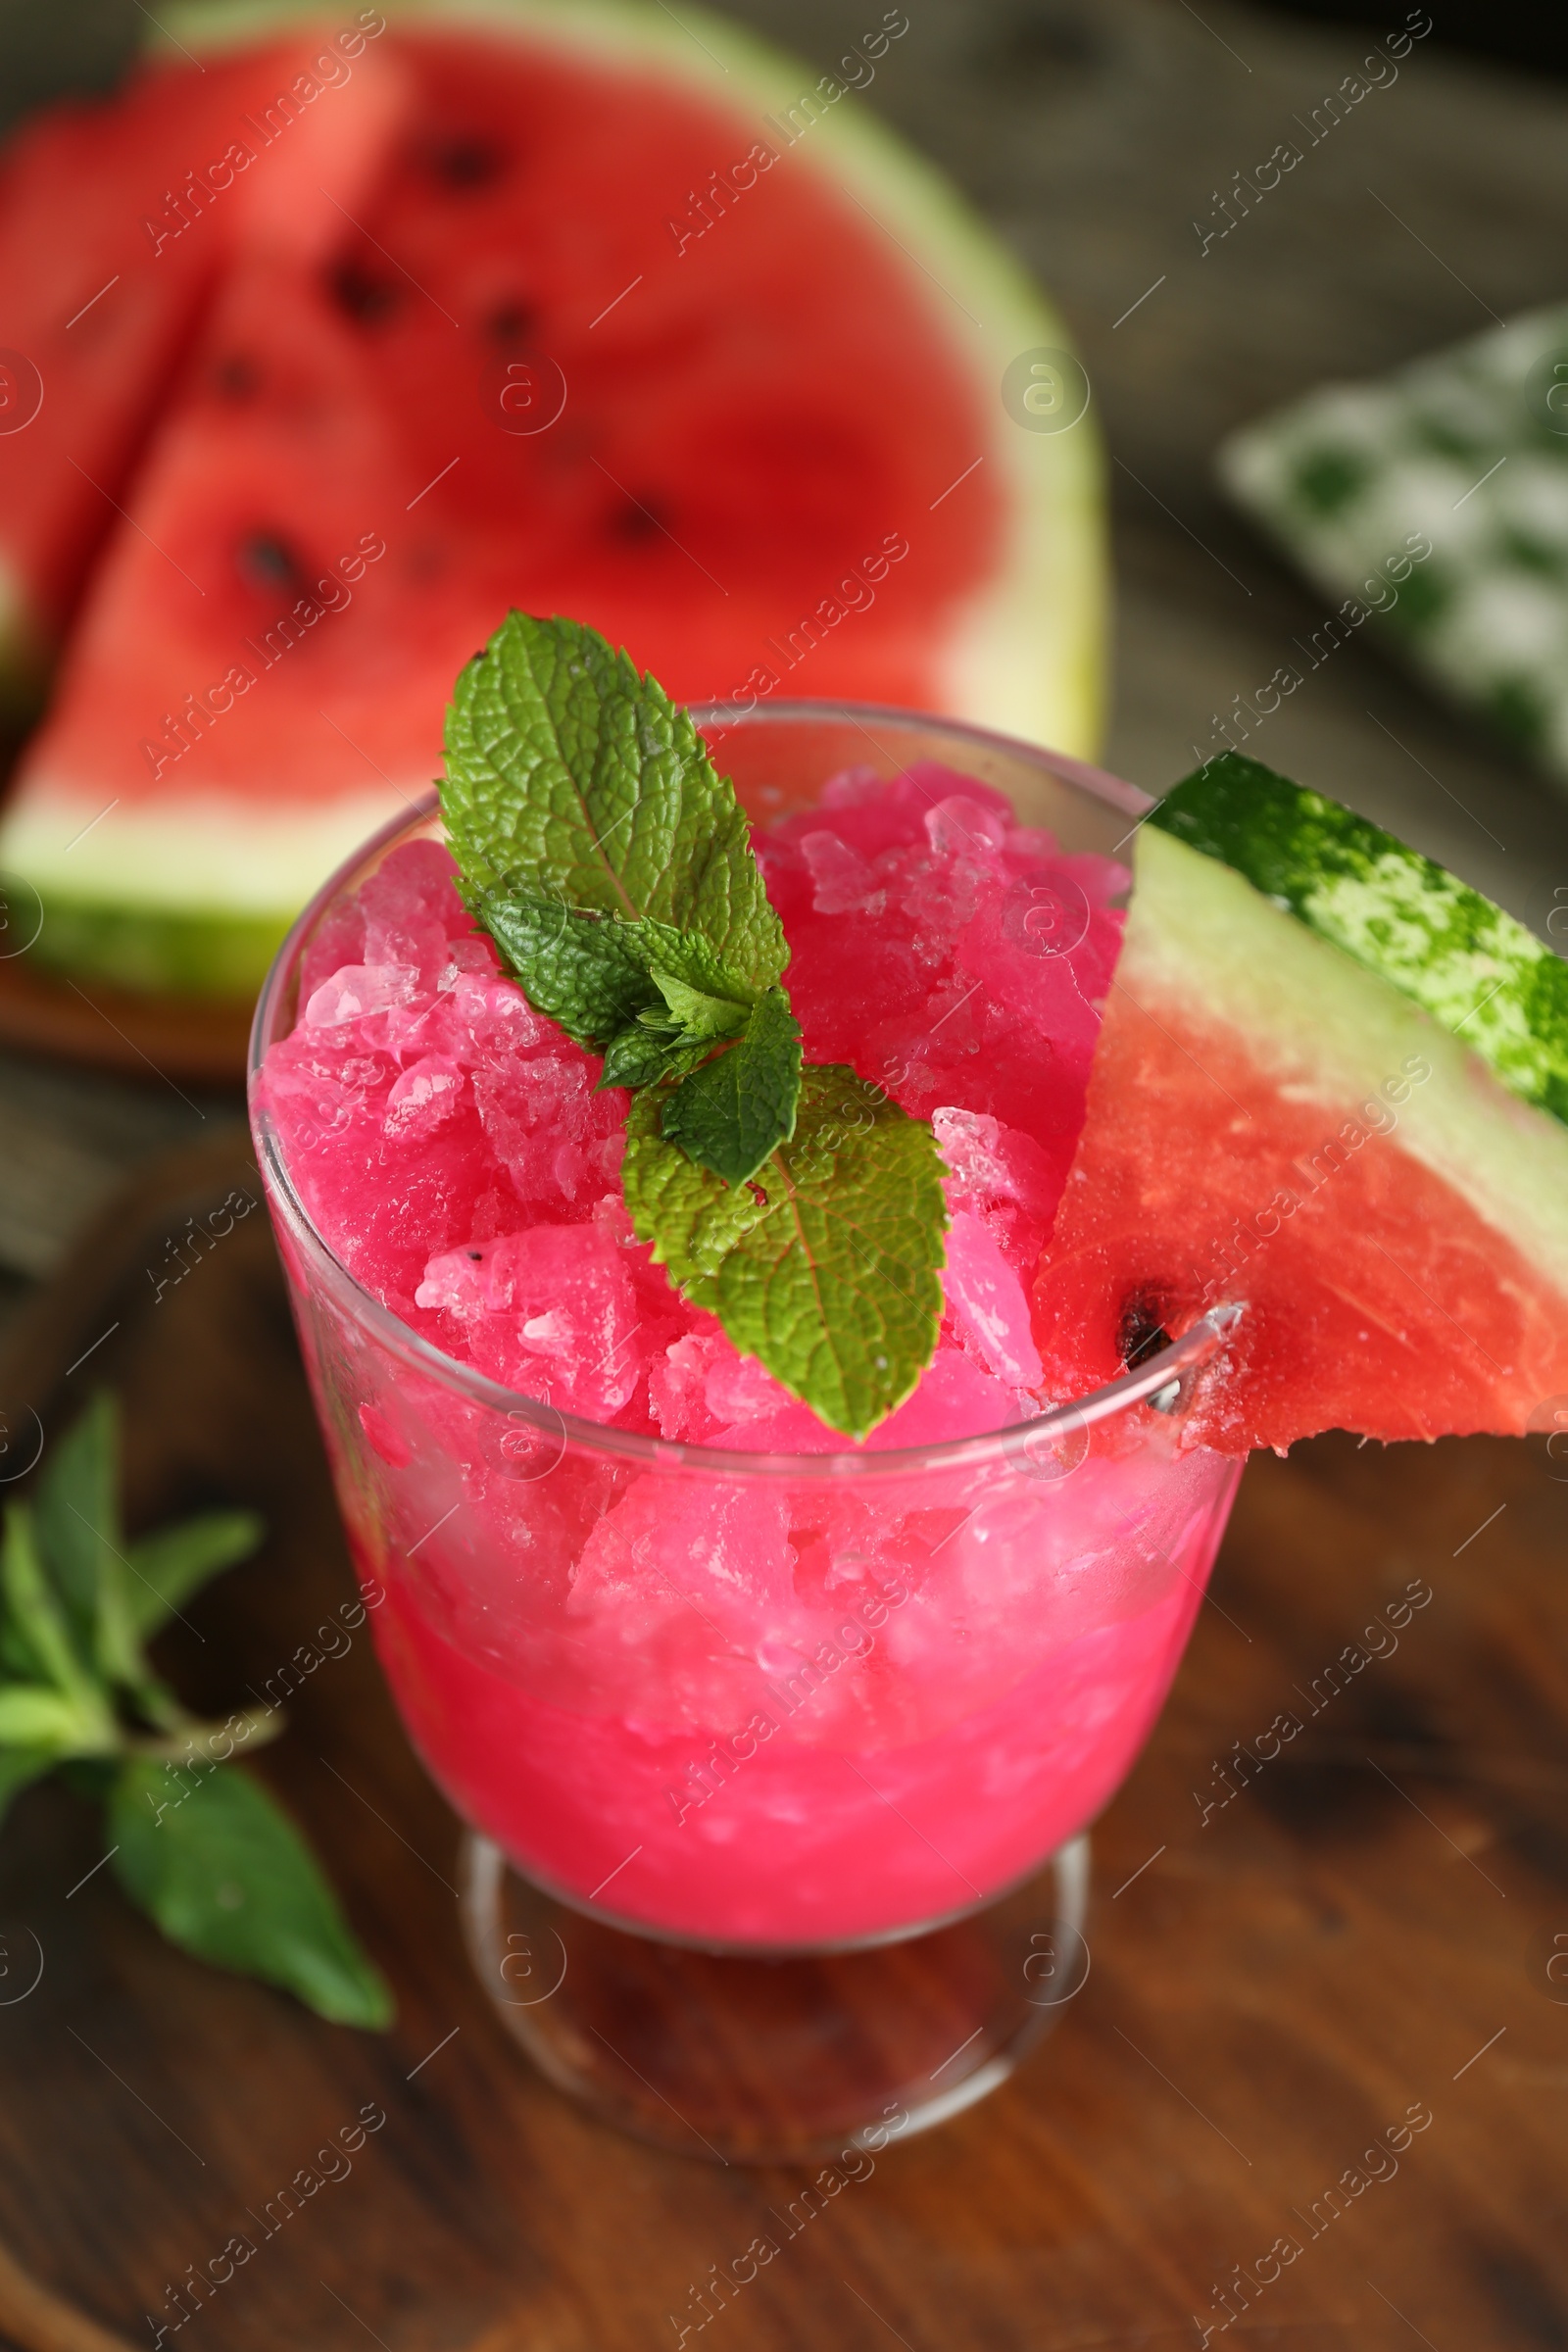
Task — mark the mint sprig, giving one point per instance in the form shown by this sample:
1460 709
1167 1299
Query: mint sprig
196 1841
613 869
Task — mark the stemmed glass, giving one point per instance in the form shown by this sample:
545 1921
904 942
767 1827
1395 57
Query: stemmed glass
775 1768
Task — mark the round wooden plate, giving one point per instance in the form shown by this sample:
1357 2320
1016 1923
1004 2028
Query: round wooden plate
197 1038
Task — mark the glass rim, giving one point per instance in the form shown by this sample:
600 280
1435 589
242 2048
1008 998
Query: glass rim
1158 1372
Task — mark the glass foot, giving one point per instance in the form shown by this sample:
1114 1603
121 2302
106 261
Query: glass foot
751 2059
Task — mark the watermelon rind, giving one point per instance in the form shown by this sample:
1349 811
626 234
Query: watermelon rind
1479 973
1324 1026
186 899
153 953
1028 656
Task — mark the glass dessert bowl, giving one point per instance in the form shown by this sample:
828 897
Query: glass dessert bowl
776 1763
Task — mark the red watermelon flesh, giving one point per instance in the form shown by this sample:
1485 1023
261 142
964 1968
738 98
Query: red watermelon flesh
739 430
107 258
1270 1125
284 592
1384 1303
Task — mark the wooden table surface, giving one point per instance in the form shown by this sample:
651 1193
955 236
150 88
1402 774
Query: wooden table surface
1373 1925
1367 1936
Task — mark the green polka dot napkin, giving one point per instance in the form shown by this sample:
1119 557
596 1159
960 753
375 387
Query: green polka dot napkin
1466 450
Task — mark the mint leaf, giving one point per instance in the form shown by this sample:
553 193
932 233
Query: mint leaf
579 969
77 1509
168 1567
640 993
831 1278
649 1048
225 1875
692 1218
700 1019
697 1001
36 1640
685 959
215 1863
730 1114
49 1699
81 1544
31 1714
567 775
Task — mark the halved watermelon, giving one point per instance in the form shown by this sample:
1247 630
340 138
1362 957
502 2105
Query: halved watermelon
783 464
1330 1087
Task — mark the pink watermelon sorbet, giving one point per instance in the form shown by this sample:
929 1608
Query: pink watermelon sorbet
816 1701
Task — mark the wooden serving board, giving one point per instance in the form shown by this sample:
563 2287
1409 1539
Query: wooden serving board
1370 1932
194 1038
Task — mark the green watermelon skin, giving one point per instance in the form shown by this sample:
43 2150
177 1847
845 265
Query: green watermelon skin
1476 969
1273 1125
184 877
158 955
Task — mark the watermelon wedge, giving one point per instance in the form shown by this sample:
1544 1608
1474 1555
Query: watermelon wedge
624 317
1330 1088
108 255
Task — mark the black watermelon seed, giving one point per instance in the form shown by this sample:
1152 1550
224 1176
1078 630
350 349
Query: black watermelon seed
368 297
1142 1331
637 522
466 162
510 322
268 562
237 377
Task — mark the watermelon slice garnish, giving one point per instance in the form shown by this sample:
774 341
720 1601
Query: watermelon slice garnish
783 466
1330 1088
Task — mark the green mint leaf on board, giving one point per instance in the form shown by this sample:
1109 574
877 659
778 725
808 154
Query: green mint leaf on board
78 1512
37 1641
569 776
32 1715
226 1872
167 1568
81 1537
576 969
832 1279
225 1875
729 1115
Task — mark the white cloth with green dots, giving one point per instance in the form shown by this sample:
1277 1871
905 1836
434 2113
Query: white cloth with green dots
1470 447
